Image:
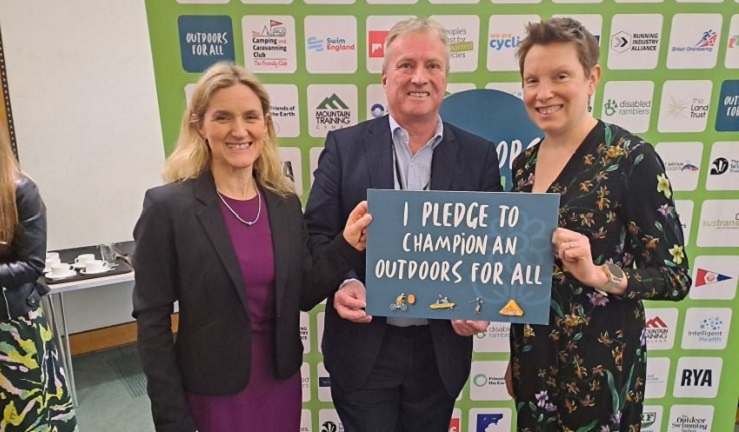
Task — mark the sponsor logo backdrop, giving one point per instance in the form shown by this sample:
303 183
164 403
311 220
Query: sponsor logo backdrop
670 75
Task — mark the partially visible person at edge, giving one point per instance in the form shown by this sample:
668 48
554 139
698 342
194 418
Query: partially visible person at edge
397 374
33 386
226 239
619 242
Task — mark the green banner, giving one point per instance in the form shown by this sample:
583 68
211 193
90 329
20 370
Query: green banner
670 75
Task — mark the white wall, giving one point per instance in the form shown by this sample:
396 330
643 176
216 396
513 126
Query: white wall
82 91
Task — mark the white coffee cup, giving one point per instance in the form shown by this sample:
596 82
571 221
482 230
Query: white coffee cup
84 258
52 256
51 261
95 266
61 269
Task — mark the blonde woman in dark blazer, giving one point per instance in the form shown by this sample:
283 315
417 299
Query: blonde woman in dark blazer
226 239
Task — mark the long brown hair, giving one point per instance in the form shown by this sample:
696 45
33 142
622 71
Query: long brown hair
8 174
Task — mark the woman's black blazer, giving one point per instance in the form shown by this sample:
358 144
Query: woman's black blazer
184 253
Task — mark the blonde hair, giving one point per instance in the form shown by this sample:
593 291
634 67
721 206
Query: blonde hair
9 172
192 155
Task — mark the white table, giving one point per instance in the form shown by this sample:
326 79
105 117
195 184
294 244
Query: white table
58 289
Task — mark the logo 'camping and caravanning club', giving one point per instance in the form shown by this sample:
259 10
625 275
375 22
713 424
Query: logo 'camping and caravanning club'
333 113
274 29
733 41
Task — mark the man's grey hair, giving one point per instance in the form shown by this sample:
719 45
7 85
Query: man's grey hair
416 25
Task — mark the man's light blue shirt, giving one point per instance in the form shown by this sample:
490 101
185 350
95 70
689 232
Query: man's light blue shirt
415 174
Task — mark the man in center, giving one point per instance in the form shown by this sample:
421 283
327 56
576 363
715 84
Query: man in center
397 374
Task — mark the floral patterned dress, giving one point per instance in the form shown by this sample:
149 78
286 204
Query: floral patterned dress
586 370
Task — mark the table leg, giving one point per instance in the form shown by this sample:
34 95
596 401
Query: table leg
70 369
60 337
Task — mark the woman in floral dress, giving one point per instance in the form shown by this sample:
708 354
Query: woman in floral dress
619 242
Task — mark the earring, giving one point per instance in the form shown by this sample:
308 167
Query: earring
590 105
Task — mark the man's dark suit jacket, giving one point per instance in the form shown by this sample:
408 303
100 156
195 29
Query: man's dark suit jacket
361 157
184 253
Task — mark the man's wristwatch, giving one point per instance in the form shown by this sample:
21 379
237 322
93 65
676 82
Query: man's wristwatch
614 274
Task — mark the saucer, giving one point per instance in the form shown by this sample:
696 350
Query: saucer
68 275
85 272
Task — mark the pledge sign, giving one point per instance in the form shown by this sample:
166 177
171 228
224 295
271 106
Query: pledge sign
460 255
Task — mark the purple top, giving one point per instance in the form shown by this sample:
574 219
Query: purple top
266 403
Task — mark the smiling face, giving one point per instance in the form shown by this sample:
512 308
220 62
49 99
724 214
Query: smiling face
234 126
415 77
556 88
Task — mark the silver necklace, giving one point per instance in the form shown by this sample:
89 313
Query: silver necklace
236 215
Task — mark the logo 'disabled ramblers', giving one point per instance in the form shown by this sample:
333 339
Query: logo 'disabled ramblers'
610 107
332 112
733 41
